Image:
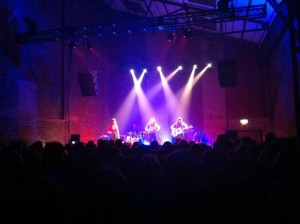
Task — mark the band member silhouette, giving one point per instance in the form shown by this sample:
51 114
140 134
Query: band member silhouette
113 130
152 127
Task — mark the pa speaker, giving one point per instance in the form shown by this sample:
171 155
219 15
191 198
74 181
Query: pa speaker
227 73
89 83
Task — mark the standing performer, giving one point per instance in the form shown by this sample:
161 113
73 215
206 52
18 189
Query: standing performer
113 130
151 128
134 130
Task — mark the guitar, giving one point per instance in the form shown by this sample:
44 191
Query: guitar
180 130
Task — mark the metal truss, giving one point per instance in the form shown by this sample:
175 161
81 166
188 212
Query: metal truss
164 23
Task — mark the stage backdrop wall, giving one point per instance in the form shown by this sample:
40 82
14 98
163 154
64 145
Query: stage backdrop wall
53 106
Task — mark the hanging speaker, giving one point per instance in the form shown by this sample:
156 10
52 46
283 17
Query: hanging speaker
227 72
89 83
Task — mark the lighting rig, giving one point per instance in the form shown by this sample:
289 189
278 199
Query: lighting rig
164 23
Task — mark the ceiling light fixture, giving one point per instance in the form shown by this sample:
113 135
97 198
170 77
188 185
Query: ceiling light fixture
71 44
89 45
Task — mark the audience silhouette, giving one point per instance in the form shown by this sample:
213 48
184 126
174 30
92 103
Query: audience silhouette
240 182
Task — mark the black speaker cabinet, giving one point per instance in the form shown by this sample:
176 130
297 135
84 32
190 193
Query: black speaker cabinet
88 83
227 72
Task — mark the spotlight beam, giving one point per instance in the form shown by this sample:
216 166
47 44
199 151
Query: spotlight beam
155 90
185 97
199 75
126 108
169 95
143 103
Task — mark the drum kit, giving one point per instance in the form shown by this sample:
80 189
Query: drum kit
143 137
132 137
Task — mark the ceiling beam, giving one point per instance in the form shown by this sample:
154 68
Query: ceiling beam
164 23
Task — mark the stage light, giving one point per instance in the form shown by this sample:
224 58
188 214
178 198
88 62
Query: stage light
159 68
244 122
180 67
71 44
209 65
132 71
223 5
186 33
145 70
89 45
195 66
31 25
171 37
